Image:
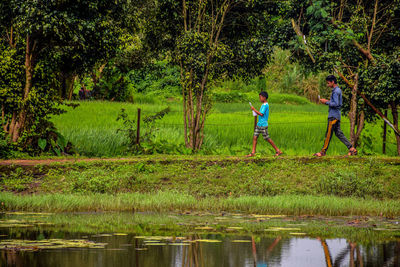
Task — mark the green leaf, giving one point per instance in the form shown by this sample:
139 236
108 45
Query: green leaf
42 143
61 141
324 14
310 10
57 151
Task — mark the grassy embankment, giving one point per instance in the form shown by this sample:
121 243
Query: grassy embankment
296 126
331 186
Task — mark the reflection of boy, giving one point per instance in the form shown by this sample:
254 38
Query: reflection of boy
262 125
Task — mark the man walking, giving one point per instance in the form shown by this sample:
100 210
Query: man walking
335 104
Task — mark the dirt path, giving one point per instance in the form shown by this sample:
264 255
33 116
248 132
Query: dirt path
33 162
169 159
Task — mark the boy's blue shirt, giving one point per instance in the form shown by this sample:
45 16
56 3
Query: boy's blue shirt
263 120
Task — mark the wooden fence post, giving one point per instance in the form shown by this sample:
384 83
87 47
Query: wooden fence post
384 136
138 127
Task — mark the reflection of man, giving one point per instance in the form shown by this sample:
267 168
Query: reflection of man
273 245
328 258
352 247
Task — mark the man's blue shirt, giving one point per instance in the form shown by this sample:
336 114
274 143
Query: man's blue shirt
335 103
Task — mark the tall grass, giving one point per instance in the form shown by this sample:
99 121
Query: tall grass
173 201
296 126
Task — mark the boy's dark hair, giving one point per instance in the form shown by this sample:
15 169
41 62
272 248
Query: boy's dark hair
264 94
331 78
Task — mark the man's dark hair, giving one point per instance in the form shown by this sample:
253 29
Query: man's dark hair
264 94
331 78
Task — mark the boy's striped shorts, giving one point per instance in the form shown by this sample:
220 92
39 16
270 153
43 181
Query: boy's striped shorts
262 130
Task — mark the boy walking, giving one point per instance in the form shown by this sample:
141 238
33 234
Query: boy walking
334 116
262 125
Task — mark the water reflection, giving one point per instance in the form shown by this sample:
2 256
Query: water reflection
233 251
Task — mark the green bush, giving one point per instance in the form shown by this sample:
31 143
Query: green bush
98 182
113 85
238 84
5 146
230 97
346 184
287 99
156 79
17 181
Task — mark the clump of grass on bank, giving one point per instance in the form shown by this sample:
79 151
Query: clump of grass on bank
174 201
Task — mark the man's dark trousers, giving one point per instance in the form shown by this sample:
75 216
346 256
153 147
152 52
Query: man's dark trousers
334 126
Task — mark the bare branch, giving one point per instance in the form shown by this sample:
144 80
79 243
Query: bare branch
372 26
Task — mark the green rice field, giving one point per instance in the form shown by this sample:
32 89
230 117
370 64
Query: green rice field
296 126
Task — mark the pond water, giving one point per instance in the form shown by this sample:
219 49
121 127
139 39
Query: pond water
211 250
44 240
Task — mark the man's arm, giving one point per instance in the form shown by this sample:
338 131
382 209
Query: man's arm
334 101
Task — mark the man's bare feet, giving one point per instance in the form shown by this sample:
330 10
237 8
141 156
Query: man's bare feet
320 154
250 155
278 153
352 152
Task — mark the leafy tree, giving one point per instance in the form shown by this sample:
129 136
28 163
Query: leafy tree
210 39
42 40
109 76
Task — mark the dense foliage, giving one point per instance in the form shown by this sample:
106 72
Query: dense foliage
43 45
359 41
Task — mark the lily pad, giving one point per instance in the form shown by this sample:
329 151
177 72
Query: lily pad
18 244
267 216
297 233
204 228
277 229
156 244
234 228
208 240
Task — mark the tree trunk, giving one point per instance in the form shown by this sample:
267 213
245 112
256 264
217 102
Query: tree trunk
71 86
357 119
353 112
395 115
19 121
96 76
195 110
67 85
360 126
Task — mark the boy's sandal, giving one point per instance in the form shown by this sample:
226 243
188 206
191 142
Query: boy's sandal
277 154
320 154
352 152
250 155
